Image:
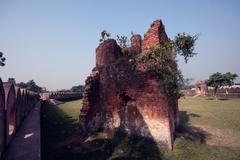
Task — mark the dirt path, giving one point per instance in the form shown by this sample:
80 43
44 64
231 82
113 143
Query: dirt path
26 143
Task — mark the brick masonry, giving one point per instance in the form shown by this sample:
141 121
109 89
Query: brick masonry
119 96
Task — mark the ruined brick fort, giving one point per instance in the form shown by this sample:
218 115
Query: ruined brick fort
121 96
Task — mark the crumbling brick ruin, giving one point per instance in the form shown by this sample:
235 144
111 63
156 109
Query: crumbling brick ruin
120 96
201 88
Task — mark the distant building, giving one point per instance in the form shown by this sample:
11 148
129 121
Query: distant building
201 88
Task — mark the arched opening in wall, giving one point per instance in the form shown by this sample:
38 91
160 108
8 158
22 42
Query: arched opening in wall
23 104
124 99
18 106
11 125
2 119
199 90
10 108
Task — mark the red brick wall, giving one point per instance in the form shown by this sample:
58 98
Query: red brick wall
107 53
154 36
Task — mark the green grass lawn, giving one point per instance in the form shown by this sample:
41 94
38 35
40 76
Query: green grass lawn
58 124
209 118
222 114
200 117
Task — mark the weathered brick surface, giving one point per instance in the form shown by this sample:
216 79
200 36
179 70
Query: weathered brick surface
136 44
2 119
18 103
154 36
119 96
10 99
201 88
107 52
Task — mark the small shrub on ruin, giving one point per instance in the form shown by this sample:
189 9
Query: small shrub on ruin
104 36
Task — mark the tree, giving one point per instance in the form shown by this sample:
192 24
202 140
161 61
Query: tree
30 85
78 88
183 45
216 80
104 36
2 60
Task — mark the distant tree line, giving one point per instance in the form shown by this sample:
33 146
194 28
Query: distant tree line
30 85
78 88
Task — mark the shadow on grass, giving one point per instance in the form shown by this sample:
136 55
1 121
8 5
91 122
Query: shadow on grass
61 140
56 126
68 99
190 132
221 99
193 115
121 146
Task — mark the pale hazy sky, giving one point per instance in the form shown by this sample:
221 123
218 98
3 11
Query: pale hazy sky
54 41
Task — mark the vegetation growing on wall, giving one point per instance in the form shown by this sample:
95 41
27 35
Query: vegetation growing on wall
104 36
122 41
161 61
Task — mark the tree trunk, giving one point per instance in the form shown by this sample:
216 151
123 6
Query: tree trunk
215 93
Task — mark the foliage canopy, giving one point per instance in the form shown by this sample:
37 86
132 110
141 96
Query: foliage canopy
183 44
2 60
161 61
78 88
217 80
30 85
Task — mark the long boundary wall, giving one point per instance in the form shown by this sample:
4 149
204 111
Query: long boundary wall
15 105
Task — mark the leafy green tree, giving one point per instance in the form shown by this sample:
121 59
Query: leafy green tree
216 80
104 36
183 45
2 60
